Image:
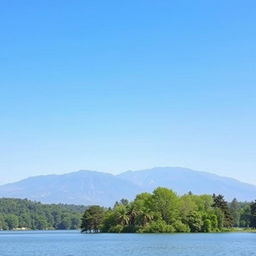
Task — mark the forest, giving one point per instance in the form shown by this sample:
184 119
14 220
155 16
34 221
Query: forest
164 211
26 214
160 211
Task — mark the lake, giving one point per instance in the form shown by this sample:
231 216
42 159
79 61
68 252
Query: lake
72 243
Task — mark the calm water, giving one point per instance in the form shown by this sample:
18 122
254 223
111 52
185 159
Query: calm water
69 243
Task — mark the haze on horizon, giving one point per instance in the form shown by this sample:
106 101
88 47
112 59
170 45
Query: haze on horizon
113 86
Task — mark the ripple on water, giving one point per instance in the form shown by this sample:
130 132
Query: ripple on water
72 243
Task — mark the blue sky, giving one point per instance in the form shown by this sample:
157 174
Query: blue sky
114 85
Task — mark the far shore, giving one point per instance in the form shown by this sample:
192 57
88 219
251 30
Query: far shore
233 230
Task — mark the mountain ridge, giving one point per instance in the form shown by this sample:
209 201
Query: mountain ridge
95 187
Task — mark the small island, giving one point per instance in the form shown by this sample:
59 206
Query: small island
164 211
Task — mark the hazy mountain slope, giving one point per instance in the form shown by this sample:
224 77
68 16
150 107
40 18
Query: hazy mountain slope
183 180
83 187
90 187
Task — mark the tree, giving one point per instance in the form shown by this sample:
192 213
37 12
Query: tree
3 225
165 201
34 215
179 226
92 219
25 220
194 221
144 217
65 222
187 204
124 201
110 220
245 216
133 213
234 209
122 214
253 214
214 222
220 203
11 221
204 203
209 222
75 221
41 222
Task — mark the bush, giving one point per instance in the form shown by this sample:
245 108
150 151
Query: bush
180 227
157 227
116 229
130 229
207 225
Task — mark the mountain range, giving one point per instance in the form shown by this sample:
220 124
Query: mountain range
92 187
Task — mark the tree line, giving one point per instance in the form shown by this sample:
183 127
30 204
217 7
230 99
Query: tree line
26 214
165 211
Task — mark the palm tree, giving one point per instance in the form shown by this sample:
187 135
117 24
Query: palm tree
123 216
145 217
133 213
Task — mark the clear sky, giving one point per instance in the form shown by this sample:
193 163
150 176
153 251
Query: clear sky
118 85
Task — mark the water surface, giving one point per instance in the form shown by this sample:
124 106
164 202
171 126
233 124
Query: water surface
72 243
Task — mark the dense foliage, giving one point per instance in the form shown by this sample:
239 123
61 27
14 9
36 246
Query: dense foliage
161 211
165 211
22 213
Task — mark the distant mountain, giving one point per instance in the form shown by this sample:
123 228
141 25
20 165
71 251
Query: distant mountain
183 180
91 187
83 187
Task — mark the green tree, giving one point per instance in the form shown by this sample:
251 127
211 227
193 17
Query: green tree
92 219
245 216
207 225
75 221
25 220
34 215
220 203
110 220
179 226
194 221
144 217
235 212
214 222
165 202
41 222
253 214
65 222
3 225
122 214
11 221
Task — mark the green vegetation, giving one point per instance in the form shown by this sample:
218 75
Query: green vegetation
161 211
25 214
164 211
